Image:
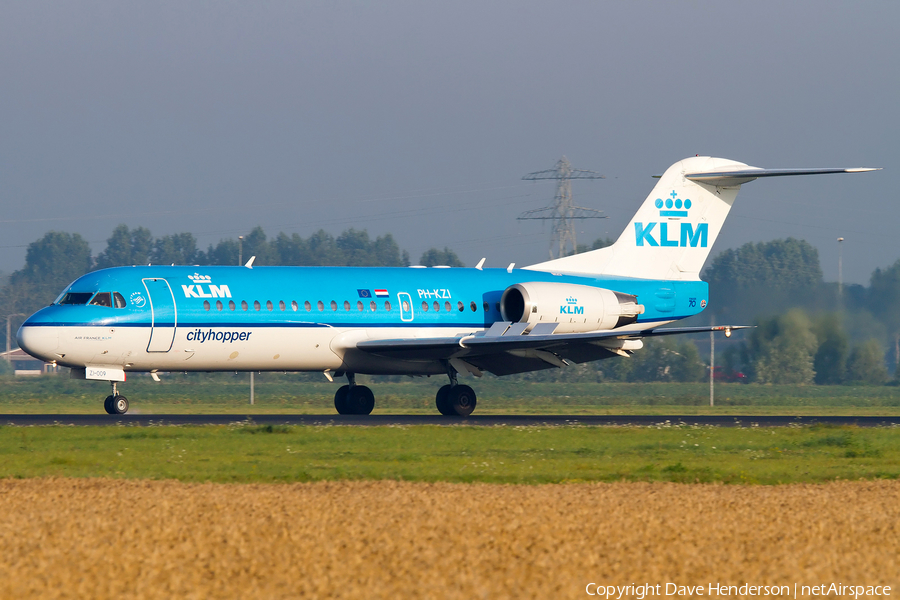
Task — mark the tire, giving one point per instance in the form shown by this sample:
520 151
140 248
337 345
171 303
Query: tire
461 400
120 405
108 405
360 400
440 401
340 400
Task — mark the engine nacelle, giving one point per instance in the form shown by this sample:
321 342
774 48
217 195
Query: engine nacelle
577 308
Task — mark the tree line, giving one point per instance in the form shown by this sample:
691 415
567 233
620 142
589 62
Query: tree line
807 330
798 348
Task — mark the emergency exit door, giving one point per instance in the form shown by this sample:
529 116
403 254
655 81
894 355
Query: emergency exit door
406 307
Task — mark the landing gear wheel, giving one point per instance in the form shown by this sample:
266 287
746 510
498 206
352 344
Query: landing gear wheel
360 400
340 400
461 400
441 401
119 405
108 405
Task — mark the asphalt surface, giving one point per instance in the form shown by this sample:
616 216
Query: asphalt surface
474 420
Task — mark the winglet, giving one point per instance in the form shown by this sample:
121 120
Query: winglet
480 264
249 264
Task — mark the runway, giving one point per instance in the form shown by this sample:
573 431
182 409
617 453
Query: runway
101 419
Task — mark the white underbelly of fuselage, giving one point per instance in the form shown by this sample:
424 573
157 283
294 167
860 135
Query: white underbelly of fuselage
237 349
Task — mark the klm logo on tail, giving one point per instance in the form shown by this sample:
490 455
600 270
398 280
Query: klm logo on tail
672 207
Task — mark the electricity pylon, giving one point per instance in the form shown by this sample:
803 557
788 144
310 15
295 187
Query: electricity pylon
562 212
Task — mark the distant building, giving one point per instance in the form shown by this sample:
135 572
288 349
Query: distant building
25 364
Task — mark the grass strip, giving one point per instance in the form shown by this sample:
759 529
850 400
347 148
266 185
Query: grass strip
249 453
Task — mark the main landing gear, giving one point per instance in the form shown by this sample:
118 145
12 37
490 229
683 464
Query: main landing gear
354 399
455 399
114 403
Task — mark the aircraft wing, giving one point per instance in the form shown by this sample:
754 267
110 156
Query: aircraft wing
505 348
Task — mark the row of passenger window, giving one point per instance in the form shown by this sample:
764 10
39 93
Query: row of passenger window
320 306
116 299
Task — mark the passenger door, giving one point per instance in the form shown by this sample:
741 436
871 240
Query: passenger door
164 315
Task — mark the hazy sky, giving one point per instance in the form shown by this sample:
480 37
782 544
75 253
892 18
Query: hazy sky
420 118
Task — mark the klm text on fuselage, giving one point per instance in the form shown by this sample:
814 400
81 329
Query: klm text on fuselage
197 291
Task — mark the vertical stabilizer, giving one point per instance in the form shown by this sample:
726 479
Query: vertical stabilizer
673 231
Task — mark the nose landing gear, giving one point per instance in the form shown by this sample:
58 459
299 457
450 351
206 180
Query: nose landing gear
115 404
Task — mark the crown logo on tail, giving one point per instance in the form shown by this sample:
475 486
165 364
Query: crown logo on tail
681 207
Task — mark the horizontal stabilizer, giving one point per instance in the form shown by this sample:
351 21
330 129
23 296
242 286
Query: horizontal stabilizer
727 177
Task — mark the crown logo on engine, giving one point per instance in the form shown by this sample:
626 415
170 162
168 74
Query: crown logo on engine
680 206
571 300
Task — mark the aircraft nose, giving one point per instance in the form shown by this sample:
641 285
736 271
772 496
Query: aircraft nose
40 342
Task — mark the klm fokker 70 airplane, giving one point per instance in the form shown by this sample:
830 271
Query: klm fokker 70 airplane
415 321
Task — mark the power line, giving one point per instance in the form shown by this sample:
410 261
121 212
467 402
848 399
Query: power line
562 212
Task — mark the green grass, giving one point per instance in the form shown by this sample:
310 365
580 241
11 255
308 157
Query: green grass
291 393
250 453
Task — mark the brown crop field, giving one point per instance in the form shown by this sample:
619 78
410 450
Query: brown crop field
106 538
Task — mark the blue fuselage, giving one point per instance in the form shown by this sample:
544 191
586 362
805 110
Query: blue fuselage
253 315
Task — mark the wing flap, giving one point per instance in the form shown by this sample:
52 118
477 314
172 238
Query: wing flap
559 344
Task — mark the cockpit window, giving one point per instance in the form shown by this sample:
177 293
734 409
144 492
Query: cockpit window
102 299
62 295
118 300
76 298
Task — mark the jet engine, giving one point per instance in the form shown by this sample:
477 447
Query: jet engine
577 308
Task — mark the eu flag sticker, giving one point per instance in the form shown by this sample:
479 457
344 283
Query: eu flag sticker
364 293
